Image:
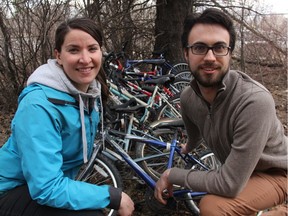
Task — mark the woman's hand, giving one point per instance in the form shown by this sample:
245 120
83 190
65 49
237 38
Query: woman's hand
126 205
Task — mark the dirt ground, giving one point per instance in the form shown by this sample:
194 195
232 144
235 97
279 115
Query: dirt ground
274 79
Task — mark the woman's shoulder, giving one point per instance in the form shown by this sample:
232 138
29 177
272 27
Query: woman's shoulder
38 92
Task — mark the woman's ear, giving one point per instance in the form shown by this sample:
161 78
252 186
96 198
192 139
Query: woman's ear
58 56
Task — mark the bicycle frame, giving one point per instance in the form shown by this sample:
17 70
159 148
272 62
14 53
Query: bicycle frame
124 94
138 169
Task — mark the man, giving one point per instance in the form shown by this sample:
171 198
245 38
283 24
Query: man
235 116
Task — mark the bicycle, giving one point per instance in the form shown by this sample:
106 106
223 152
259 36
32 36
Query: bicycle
160 102
100 171
159 64
112 148
130 69
116 148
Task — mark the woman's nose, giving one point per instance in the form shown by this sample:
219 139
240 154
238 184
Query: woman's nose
85 57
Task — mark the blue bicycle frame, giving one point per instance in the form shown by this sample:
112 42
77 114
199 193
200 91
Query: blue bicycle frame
138 169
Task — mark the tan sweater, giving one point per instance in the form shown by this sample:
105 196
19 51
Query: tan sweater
240 127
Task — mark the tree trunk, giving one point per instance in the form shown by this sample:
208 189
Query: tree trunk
170 15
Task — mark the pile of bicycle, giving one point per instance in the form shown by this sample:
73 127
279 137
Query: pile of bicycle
143 129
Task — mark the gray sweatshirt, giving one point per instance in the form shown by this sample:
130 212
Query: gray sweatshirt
240 127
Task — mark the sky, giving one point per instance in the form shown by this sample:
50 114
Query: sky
278 6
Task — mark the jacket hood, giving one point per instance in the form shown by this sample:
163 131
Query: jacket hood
52 75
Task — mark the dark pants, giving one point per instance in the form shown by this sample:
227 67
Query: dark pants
18 202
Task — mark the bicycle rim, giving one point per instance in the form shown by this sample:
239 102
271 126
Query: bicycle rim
184 75
105 173
178 67
180 84
170 109
209 160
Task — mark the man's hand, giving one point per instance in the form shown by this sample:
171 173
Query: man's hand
126 205
163 188
184 149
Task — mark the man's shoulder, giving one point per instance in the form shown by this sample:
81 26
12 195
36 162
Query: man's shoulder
251 83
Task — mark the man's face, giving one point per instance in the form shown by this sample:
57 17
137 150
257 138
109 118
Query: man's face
208 69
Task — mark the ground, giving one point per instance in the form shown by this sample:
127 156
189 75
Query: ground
274 79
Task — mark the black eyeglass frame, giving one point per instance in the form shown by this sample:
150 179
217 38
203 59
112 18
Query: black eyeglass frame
208 48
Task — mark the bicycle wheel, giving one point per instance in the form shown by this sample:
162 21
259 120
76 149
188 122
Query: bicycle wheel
155 158
178 67
180 84
185 74
170 109
105 173
208 159
211 162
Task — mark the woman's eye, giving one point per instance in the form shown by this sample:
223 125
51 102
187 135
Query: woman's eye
93 49
73 51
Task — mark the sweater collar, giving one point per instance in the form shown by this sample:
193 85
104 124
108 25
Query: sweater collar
228 82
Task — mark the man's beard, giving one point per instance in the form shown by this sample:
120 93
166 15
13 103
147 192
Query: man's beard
208 80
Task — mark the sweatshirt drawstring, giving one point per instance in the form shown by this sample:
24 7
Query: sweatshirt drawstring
101 120
84 139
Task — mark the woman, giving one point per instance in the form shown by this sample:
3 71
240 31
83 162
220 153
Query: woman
53 132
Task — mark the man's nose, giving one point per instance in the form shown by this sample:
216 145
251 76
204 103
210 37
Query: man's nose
210 56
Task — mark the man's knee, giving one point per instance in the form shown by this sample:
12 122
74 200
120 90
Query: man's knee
211 205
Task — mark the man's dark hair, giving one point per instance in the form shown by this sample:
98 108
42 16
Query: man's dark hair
209 16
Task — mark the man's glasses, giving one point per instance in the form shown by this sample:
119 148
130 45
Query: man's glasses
201 49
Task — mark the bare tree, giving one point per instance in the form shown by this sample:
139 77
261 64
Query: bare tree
168 26
26 28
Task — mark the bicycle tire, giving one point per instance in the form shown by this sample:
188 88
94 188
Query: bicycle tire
211 162
180 84
157 158
185 74
167 110
178 67
157 163
105 173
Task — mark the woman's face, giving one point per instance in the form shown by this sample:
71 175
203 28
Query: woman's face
80 57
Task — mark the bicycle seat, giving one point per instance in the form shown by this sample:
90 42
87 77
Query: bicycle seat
146 61
154 61
128 107
131 102
167 123
134 109
161 80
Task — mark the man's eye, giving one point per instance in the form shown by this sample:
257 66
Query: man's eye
200 48
219 48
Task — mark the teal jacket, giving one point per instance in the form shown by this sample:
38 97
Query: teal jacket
45 149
